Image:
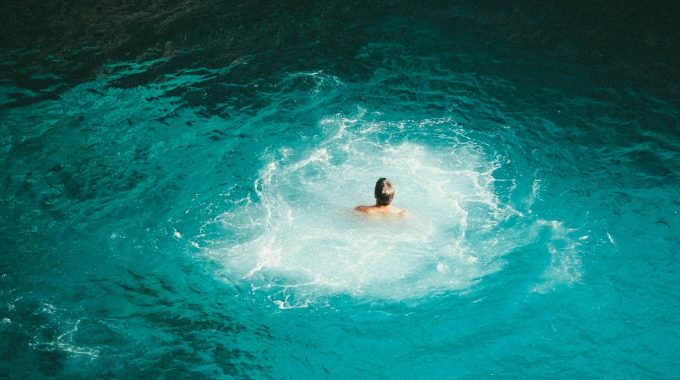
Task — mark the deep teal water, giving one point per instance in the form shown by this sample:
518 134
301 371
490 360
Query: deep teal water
188 216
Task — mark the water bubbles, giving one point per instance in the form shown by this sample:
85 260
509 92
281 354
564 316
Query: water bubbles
300 239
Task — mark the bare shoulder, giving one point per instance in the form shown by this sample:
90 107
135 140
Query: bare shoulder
381 211
400 212
369 210
362 209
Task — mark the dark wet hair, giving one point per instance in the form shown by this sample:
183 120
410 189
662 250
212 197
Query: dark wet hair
384 192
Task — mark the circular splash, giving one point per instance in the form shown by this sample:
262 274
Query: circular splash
299 239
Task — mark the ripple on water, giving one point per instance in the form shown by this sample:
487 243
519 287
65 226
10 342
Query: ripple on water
299 239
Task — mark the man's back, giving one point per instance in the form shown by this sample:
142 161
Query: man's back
384 193
380 210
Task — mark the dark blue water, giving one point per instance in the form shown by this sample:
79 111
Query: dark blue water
178 182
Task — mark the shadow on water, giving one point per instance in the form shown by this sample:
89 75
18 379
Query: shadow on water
128 128
49 48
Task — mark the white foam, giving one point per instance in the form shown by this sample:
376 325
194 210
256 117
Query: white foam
300 239
565 262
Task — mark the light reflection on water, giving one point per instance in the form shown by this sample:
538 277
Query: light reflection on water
175 238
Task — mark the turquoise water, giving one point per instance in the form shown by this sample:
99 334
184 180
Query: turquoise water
185 216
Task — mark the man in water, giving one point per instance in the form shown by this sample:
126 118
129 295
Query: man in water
384 194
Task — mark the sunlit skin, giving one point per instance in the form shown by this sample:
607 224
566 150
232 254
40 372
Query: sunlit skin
380 210
384 194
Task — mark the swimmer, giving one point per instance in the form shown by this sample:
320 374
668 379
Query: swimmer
384 194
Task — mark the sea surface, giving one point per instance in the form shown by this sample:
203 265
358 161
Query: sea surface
178 177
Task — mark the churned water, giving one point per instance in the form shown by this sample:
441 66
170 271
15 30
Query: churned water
183 208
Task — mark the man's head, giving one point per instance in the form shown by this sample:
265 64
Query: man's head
384 192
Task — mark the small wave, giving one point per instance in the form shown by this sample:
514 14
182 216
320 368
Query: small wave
300 239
